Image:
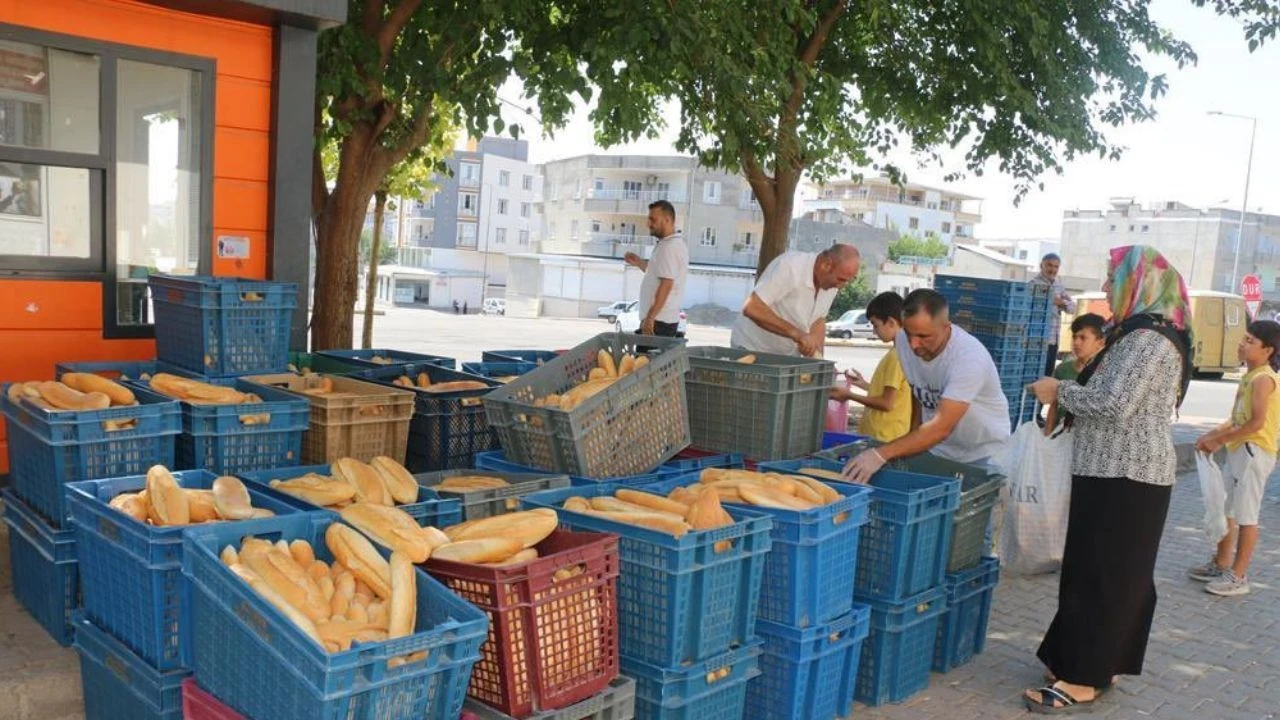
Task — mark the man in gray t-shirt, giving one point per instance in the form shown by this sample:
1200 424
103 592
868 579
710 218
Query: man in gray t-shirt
1062 303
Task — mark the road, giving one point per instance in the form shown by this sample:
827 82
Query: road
465 337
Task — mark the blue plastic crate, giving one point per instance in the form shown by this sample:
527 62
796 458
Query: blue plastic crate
495 370
222 327
685 693
809 674
119 684
45 573
835 439
1012 359
904 546
537 357
808 576
127 370
395 358
229 439
131 572
258 663
430 509
494 460
962 630
898 651
679 599
1015 300
448 428
681 465
955 284
980 314
1001 343
49 449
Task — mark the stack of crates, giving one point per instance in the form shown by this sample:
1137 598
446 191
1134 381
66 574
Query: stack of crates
49 450
131 633
686 608
219 330
811 628
1013 320
900 574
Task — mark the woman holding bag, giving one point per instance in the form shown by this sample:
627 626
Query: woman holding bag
1123 468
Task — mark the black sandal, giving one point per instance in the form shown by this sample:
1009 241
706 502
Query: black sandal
1050 696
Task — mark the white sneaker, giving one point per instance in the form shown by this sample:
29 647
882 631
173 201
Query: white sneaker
1228 585
1207 572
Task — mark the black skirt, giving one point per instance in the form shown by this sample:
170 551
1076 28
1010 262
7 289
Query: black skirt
1107 592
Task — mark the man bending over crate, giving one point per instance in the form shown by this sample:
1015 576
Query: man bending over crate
786 313
960 412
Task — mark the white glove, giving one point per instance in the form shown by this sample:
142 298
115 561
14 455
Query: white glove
863 466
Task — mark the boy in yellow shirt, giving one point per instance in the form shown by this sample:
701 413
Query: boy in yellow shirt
1250 439
888 398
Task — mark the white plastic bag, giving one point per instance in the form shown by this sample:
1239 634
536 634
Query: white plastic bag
1214 492
1037 500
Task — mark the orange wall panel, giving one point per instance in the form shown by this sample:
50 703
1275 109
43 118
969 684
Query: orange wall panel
240 204
255 266
243 104
48 305
238 154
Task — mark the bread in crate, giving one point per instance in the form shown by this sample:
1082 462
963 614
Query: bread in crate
592 412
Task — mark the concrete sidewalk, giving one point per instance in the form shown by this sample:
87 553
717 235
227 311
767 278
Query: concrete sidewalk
1208 658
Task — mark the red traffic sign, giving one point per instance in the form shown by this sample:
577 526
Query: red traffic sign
1251 288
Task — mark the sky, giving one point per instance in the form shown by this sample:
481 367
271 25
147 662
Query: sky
1184 154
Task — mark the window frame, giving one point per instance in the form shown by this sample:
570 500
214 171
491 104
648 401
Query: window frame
100 266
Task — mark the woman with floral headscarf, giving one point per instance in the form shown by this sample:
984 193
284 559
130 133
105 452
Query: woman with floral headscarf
1121 410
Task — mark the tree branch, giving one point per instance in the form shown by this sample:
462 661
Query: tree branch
386 36
319 188
788 154
416 137
758 180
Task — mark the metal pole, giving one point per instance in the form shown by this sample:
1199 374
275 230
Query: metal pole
1244 204
1195 249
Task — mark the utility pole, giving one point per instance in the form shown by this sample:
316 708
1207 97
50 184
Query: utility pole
1244 203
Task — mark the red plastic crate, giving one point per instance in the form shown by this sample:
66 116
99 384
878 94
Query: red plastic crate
200 705
553 623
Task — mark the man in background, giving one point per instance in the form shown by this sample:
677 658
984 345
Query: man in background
786 313
1061 303
665 273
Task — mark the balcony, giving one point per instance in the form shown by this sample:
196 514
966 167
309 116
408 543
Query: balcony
627 201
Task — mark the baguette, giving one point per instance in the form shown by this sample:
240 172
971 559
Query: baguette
359 556
577 504
747 359
424 380
627 366
706 513
653 502
402 611
529 527
229 556
366 481
200 506
90 383
166 502
825 491
822 474
456 386
765 496
231 498
132 504
64 398
485 550
468 483
641 361
316 489
305 556
604 359
291 613
282 574
390 528
613 504
597 373
342 632
660 522
524 556
198 392
399 483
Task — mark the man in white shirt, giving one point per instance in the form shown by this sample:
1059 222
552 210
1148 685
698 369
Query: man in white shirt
786 313
956 389
662 289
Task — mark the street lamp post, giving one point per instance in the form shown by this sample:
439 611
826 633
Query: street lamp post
1244 204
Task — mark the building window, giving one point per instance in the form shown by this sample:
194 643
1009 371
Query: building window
577 189
746 240
526 182
502 206
468 204
466 234
595 226
630 189
526 209
551 230
1146 228
598 184
662 191
573 230
708 237
946 228
500 236
524 238
1022 254
711 192
1112 229
504 178
913 223
469 174
1130 228
58 168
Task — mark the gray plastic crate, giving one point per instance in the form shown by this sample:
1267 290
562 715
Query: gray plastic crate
772 409
617 702
979 491
478 504
636 424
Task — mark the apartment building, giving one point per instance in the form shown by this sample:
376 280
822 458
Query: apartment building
908 209
597 205
1201 243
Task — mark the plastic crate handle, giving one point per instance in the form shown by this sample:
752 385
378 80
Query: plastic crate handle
111 426
251 296
255 419
471 401
108 529
806 378
375 409
716 676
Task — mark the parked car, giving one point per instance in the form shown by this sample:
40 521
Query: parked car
850 325
611 311
629 322
494 306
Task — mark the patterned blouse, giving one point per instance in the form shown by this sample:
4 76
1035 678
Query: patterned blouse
1123 424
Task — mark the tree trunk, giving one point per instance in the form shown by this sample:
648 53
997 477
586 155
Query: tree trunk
777 217
375 252
337 267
